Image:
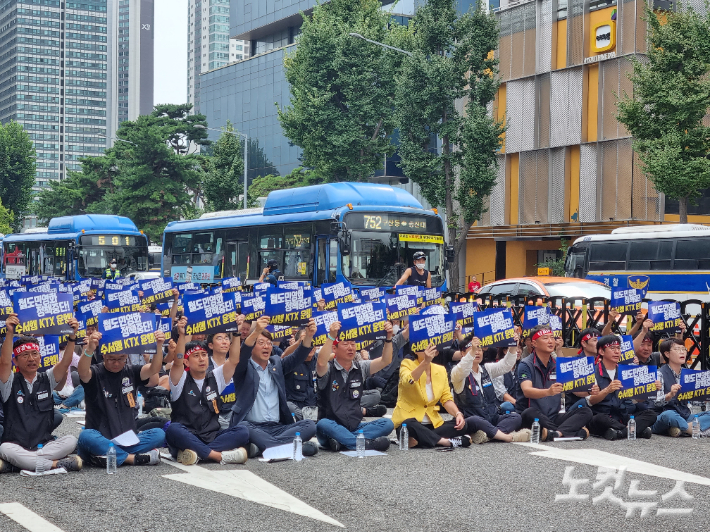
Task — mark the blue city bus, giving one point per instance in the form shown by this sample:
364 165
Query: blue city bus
363 233
76 247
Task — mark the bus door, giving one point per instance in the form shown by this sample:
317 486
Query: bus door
237 260
326 266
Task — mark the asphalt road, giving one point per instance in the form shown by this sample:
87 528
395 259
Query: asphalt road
490 487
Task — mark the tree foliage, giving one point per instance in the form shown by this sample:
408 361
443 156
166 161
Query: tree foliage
452 62
17 170
224 179
6 220
299 177
342 90
670 99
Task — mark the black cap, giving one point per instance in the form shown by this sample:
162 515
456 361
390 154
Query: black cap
113 261
419 255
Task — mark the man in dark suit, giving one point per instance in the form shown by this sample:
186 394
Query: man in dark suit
261 404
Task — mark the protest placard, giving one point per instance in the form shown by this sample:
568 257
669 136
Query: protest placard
437 329
43 313
364 321
288 306
209 314
127 333
576 374
639 382
399 307
494 327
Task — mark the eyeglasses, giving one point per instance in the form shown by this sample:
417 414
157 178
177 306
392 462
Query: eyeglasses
28 355
679 349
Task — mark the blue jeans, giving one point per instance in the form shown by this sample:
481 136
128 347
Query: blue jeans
73 400
93 443
506 405
327 428
671 418
179 438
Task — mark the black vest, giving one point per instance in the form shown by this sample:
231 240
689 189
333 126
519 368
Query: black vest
113 414
229 396
417 279
477 400
198 410
300 387
340 401
29 414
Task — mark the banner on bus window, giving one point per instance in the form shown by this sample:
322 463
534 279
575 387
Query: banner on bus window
336 294
429 296
193 274
127 333
626 301
49 350
694 385
157 290
231 284
372 294
464 312
364 321
665 316
43 313
14 271
289 307
437 329
252 307
429 239
535 316
576 373
639 382
627 349
494 327
323 320
122 300
399 307
209 314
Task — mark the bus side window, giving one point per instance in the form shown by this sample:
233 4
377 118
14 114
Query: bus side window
665 254
692 254
333 263
608 256
642 253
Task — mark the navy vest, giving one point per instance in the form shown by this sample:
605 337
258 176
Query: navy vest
477 400
340 401
198 410
29 414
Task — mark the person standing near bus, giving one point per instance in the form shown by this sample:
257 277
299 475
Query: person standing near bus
474 285
271 273
417 275
112 272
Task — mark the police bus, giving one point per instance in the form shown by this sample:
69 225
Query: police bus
674 259
76 247
363 233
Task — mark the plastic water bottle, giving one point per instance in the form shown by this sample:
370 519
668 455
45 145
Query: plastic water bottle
660 396
563 410
140 404
111 464
535 436
631 429
696 428
298 448
404 438
41 464
360 444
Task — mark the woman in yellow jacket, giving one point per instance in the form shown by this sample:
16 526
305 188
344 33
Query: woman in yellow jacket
422 386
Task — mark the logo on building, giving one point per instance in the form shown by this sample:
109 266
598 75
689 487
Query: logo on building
604 35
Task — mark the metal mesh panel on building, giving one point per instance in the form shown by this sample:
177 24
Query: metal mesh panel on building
641 27
544 36
565 107
615 182
626 27
646 201
556 207
534 184
543 111
505 56
696 5
517 43
530 50
520 97
497 197
588 183
575 33
615 81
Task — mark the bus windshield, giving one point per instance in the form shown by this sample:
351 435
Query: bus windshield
96 252
379 258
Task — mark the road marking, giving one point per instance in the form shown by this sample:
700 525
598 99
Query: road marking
595 457
246 485
27 518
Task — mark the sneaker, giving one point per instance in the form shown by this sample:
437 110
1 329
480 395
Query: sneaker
376 411
98 461
583 433
705 433
187 457
646 434
70 463
149 458
253 451
521 435
381 444
479 437
235 456
7 467
674 432
611 434
334 445
309 448
460 441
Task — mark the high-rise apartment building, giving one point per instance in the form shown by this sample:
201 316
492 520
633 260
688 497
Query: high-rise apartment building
209 45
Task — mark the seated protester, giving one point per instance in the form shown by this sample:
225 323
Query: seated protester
588 348
643 345
261 404
72 394
611 414
29 407
476 398
110 389
340 386
218 348
300 383
613 314
195 397
674 416
539 397
422 387
504 385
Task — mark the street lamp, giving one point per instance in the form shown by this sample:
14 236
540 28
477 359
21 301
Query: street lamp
383 45
246 153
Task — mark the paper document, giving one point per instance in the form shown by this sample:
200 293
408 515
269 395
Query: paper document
280 452
27 473
126 439
367 453
76 413
573 438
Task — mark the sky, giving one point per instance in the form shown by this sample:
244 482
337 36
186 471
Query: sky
170 49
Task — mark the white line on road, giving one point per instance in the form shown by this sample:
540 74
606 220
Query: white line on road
248 486
27 518
595 457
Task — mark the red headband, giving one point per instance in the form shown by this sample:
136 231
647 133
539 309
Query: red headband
612 344
194 349
587 336
647 339
25 347
540 333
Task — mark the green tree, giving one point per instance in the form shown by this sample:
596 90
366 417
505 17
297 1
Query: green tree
452 62
17 170
299 177
224 179
670 98
557 265
342 90
6 219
